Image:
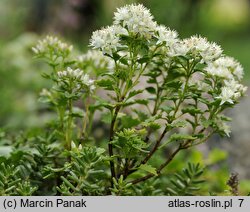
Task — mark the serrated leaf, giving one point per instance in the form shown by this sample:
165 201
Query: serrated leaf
116 56
151 90
141 101
191 110
176 84
148 168
134 93
124 61
206 123
144 59
128 121
178 124
106 83
166 108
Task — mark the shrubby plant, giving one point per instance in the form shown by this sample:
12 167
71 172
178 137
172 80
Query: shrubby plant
154 94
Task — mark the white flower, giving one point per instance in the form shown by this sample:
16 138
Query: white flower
198 80
219 71
194 45
93 61
200 45
225 67
231 91
225 128
73 146
178 49
166 35
136 19
238 88
76 80
197 46
232 65
106 39
238 71
227 95
53 44
213 52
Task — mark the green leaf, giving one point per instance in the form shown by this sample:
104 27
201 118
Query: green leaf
44 99
101 103
124 61
134 93
206 123
166 108
144 59
121 74
148 168
141 101
141 115
151 90
106 83
46 75
176 84
199 67
106 118
116 56
178 124
77 112
128 121
192 110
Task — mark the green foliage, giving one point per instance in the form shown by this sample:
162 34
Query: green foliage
156 94
84 173
187 182
130 143
121 187
11 183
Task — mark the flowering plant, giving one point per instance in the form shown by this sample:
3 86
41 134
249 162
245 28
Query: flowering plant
153 90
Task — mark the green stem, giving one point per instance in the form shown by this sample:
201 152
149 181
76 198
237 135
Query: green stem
158 171
68 136
110 146
85 119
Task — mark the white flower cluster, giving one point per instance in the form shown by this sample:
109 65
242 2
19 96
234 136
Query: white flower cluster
231 71
136 19
232 91
225 67
53 44
164 34
107 39
222 125
197 46
76 79
94 60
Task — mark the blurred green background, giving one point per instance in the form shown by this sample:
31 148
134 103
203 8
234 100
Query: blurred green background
23 22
